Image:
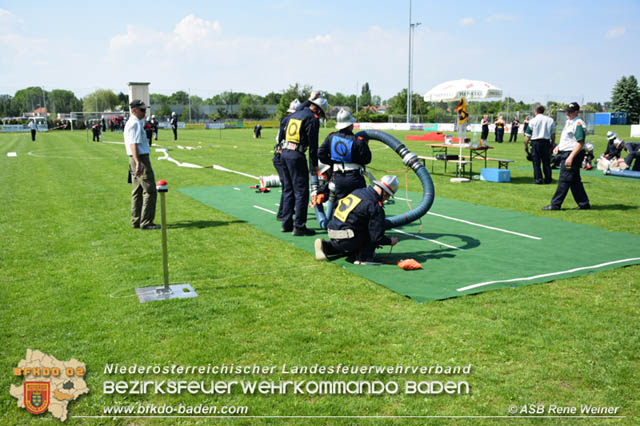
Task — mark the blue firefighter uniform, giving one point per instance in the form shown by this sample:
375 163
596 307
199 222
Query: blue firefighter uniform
348 155
301 134
633 149
277 159
361 219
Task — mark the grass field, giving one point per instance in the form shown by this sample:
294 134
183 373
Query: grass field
69 264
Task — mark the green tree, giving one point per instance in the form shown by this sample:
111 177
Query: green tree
251 107
179 98
398 104
158 98
272 98
164 110
27 100
295 91
63 101
626 98
100 100
365 95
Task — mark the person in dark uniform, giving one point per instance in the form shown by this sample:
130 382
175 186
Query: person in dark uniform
515 125
541 134
587 162
155 124
614 149
257 130
104 124
358 224
277 150
500 123
485 130
301 134
148 128
632 160
174 125
572 153
95 129
347 154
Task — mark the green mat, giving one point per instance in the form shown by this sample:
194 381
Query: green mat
464 248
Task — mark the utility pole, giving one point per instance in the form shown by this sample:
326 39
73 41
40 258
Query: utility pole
189 105
409 71
357 83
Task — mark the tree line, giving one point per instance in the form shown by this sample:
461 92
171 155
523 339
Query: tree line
625 98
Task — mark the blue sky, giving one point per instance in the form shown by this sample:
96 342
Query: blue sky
537 51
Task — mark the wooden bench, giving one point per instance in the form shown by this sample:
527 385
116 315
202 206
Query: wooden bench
458 163
502 162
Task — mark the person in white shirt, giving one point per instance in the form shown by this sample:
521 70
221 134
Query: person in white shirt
541 132
33 127
143 194
571 151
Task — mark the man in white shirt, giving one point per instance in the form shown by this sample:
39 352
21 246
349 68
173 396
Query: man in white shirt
143 194
541 132
571 152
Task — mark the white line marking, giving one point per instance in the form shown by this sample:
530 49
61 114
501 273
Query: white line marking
12 154
485 226
237 189
224 169
551 274
427 239
266 210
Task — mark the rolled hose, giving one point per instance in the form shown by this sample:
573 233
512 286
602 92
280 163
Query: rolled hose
410 160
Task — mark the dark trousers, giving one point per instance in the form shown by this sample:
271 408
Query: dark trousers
514 135
570 180
33 135
295 191
175 133
347 182
155 132
499 135
629 159
541 153
277 163
360 243
96 137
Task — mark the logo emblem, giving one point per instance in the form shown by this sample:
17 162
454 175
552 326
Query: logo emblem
36 396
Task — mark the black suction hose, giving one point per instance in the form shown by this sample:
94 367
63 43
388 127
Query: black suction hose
410 160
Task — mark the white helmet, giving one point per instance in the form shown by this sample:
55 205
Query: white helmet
153 116
344 119
173 113
293 105
388 183
588 147
611 135
321 103
618 142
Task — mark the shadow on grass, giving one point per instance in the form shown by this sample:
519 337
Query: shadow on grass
613 207
382 255
200 224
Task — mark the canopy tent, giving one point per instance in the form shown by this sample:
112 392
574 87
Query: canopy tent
462 90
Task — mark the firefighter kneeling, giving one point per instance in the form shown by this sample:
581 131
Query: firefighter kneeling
358 223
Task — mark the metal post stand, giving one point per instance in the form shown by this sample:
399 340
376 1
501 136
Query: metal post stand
175 291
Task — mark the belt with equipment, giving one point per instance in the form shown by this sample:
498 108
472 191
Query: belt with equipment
294 147
348 167
340 234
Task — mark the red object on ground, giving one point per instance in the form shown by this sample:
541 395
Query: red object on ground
409 264
430 137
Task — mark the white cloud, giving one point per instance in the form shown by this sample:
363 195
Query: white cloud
321 39
500 17
194 30
9 22
615 32
465 22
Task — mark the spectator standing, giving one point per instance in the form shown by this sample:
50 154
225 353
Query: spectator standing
541 133
515 125
571 151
